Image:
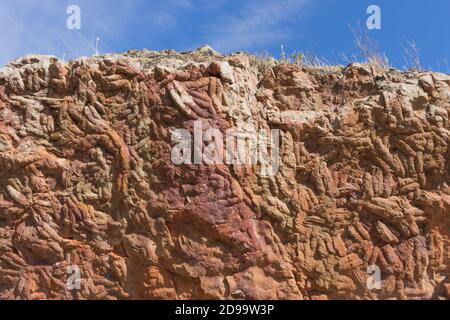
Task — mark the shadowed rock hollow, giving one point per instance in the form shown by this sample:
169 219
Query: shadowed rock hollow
87 180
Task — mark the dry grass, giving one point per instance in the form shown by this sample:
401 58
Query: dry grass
265 62
314 62
369 54
262 62
411 55
368 49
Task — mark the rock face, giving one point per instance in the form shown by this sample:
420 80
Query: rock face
88 185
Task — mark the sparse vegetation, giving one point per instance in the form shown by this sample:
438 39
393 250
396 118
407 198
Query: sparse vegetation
294 58
411 55
315 62
369 54
89 42
262 62
368 49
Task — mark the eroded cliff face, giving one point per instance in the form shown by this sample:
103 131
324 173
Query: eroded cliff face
88 181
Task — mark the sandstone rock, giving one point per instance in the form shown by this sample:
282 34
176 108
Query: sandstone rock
385 233
87 180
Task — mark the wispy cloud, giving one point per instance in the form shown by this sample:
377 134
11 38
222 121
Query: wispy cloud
19 32
257 23
39 26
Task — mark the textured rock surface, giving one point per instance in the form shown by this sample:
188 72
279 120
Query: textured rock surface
86 179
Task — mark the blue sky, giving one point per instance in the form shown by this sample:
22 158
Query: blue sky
320 27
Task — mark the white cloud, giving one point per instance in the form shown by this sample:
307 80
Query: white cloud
256 24
39 26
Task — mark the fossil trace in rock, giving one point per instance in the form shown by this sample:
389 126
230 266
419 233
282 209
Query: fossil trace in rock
86 180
